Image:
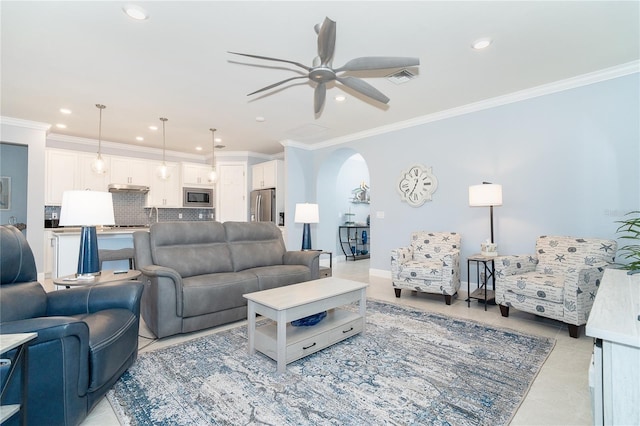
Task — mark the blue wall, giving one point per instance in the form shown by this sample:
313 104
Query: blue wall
13 164
568 162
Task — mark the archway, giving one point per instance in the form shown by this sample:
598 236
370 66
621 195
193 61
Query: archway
339 175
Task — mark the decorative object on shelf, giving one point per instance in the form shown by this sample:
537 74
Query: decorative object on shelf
5 193
417 185
307 214
310 320
98 164
163 170
489 249
322 72
486 195
213 175
364 236
87 209
348 218
361 194
630 229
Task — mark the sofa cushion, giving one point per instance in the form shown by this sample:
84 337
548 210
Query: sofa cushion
557 255
191 248
208 293
535 285
433 245
423 270
254 244
280 275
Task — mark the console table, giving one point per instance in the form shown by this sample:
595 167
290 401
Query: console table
353 244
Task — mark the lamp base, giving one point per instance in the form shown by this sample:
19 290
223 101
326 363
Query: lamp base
306 237
88 260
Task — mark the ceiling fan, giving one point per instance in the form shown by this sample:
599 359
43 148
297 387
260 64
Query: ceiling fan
322 71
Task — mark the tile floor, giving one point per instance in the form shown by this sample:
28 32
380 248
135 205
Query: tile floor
558 396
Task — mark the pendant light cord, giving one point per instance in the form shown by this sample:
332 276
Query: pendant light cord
213 148
164 144
100 107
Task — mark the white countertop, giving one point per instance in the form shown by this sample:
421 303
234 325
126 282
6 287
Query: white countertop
615 315
99 230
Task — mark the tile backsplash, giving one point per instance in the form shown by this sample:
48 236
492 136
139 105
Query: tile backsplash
129 209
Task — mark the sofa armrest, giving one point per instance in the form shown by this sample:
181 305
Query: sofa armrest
514 264
309 258
580 288
91 299
398 257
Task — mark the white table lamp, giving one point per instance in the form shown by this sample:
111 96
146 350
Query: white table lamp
87 209
486 195
306 213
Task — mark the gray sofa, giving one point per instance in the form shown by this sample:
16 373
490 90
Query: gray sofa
195 273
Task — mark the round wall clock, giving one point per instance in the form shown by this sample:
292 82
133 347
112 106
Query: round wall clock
416 185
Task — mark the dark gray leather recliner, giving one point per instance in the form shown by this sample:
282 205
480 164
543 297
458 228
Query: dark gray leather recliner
87 337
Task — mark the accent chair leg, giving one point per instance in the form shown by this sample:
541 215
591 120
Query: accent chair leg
398 290
504 310
447 299
574 330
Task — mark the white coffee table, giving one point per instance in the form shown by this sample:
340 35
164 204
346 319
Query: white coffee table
285 343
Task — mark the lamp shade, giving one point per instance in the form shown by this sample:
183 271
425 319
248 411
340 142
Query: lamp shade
86 208
485 195
306 213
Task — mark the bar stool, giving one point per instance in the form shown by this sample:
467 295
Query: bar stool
119 254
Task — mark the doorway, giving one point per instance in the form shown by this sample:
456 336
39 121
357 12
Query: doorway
13 185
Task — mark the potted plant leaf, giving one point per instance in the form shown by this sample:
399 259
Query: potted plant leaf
630 230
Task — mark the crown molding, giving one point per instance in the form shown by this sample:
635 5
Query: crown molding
27 124
534 92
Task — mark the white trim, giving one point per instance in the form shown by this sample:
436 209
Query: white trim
19 122
533 92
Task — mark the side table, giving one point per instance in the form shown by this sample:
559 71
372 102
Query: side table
107 276
488 267
19 342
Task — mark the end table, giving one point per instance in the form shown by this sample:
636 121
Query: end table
488 267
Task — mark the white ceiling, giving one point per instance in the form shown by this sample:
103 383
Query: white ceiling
175 64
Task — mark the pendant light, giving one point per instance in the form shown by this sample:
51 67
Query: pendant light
213 175
163 170
98 165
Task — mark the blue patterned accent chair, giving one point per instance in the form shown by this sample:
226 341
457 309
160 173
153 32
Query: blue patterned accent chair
430 264
560 281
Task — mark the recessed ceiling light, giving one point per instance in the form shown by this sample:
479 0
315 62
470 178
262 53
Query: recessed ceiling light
259 119
481 43
135 12
139 138
198 148
340 98
65 110
154 128
61 126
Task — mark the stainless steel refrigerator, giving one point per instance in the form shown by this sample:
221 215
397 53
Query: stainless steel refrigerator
263 205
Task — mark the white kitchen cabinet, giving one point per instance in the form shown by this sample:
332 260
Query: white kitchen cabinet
86 177
196 175
49 243
165 192
614 323
267 174
231 198
60 172
133 171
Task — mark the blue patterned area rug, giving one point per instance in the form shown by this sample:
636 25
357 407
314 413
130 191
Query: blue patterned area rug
409 367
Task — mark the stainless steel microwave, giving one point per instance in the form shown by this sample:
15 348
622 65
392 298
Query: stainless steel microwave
197 197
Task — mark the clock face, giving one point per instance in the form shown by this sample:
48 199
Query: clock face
416 185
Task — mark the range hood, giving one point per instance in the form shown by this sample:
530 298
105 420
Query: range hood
120 187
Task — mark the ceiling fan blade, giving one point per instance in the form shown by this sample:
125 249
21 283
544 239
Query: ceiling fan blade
326 41
363 87
271 86
319 96
377 63
298 64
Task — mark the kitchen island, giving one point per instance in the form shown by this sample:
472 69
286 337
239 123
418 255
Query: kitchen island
66 247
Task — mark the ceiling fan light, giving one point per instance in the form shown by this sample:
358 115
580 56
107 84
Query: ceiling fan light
135 12
481 43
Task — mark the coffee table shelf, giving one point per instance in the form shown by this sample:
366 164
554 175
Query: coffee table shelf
302 341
